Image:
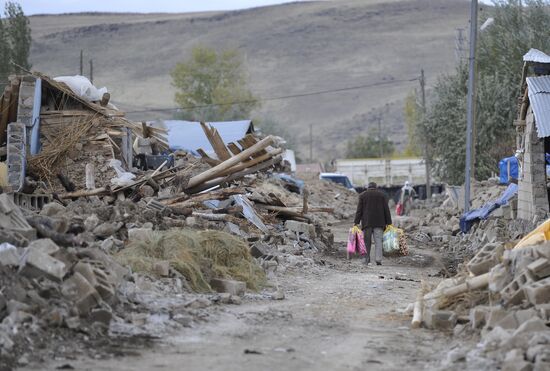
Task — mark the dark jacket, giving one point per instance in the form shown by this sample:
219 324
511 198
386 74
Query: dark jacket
373 210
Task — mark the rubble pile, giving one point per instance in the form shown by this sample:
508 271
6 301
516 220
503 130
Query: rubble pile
104 231
436 223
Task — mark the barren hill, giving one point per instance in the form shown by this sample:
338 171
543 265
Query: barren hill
289 49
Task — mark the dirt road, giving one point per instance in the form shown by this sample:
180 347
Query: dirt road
337 316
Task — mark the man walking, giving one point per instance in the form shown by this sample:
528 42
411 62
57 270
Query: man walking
374 215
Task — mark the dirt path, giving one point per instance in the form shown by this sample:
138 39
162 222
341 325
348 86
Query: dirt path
340 316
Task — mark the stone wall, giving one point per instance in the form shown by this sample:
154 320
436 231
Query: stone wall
532 196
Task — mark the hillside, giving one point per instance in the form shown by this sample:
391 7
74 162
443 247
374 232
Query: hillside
289 49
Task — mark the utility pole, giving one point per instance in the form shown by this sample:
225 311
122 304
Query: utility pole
92 71
310 143
427 152
380 136
81 62
471 104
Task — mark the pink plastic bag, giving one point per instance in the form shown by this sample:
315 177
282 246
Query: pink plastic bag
356 240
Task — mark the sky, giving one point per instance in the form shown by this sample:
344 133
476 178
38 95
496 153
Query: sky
31 7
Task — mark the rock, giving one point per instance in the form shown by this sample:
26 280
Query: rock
15 306
139 234
9 255
534 351
162 268
39 264
91 222
44 245
236 300
53 209
300 227
105 230
225 298
199 303
191 221
278 295
230 286
439 319
72 322
101 315
532 325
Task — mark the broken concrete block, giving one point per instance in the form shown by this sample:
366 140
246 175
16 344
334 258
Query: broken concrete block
191 221
230 286
259 249
538 292
39 264
517 365
540 268
101 315
439 319
105 230
534 324
508 322
495 315
485 259
9 255
300 227
91 222
139 234
12 218
544 311
478 316
78 289
53 209
162 268
513 292
278 295
45 245
499 277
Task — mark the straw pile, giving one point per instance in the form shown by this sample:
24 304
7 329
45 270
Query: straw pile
198 255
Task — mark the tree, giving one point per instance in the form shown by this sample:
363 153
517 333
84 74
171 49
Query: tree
413 115
515 30
368 147
15 41
212 86
19 34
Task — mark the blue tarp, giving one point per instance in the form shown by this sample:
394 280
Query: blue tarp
468 219
189 135
503 167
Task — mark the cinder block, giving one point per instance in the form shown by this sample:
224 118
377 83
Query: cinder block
439 319
538 292
513 292
39 264
540 268
229 286
294 226
485 259
45 245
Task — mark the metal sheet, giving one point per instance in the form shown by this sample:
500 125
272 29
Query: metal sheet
189 135
535 55
539 98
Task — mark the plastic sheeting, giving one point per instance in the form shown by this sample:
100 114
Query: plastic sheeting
468 219
82 87
513 163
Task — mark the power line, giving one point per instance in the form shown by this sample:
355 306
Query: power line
276 98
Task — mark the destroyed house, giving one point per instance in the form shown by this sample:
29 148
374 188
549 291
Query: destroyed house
50 131
533 137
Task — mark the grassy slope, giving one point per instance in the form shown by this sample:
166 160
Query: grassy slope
288 49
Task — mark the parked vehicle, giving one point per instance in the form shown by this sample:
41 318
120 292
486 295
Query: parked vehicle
337 178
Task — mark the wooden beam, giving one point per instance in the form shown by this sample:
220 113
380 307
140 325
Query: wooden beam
253 162
233 148
216 142
219 169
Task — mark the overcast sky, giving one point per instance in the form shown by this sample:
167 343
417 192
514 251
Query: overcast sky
140 6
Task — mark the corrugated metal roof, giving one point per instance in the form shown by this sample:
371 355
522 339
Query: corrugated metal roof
539 98
535 55
189 135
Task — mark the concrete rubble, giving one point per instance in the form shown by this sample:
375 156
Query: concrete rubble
66 220
496 294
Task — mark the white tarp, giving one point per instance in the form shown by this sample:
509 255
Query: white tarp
82 87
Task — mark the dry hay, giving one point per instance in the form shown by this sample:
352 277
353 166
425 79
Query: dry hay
198 255
46 164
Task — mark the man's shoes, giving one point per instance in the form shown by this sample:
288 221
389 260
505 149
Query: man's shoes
378 263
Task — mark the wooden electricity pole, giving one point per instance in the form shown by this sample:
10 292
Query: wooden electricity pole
427 152
380 149
310 143
81 62
92 71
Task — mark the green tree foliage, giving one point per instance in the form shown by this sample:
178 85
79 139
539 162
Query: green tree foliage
517 28
15 40
210 82
368 147
413 115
